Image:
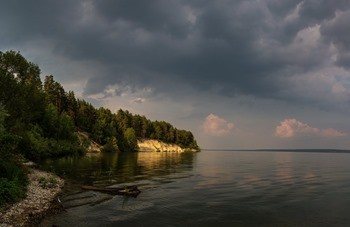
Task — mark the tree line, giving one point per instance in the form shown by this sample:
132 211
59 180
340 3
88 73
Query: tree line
39 119
45 118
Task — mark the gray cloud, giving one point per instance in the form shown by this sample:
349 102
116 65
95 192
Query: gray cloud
256 48
138 100
337 32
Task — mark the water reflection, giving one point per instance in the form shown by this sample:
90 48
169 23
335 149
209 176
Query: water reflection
208 189
284 168
111 168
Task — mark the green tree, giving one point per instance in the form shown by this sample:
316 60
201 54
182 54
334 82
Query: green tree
43 119
13 180
72 105
130 140
86 116
8 141
20 89
111 145
55 94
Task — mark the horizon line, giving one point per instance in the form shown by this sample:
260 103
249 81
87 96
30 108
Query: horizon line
320 150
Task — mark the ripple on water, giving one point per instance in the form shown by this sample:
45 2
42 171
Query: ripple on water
209 189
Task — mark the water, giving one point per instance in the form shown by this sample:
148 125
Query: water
210 188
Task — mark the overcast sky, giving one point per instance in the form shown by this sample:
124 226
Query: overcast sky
239 74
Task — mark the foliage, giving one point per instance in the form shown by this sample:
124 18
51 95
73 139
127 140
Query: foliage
13 182
111 145
8 140
36 146
40 120
44 118
130 143
20 89
50 182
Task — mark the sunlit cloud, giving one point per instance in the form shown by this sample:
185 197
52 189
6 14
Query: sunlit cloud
291 127
216 126
139 100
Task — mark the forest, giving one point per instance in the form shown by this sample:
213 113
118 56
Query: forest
39 119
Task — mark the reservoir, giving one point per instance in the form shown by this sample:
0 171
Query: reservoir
210 188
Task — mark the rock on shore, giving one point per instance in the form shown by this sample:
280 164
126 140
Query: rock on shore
43 189
158 146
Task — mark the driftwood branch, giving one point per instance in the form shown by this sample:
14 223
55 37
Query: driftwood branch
132 191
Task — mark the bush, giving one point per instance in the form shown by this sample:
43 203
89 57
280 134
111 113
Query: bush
130 140
13 182
37 147
60 148
34 144
111 145
48 183
84 142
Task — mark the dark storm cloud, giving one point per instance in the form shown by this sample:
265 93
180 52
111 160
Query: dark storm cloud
154 16
26 20
337 31
310 12
230 47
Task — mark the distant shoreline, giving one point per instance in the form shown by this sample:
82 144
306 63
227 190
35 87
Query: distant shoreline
285 150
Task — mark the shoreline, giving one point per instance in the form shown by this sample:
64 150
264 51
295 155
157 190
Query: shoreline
151 145
41 200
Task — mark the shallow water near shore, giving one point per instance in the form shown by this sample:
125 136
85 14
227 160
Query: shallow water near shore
210 188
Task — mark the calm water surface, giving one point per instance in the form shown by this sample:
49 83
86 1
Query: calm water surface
211 188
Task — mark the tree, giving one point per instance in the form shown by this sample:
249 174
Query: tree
111 145
86 116
16 65
55 93
20 89
13 180
72 105
130 140
8 141
45 118
3 115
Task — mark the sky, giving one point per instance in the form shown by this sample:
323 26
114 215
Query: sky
238 74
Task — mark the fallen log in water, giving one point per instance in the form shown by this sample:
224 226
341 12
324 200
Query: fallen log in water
132 191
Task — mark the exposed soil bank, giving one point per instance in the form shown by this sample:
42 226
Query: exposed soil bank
41 199
158 146
144 145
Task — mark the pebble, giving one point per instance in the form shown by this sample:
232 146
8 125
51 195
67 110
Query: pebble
36 203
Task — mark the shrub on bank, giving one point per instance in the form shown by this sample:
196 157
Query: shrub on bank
111 145
13 182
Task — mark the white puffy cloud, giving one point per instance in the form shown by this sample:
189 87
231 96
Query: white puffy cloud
291 127
216 126
138 100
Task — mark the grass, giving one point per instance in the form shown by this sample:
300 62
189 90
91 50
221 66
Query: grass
47 183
